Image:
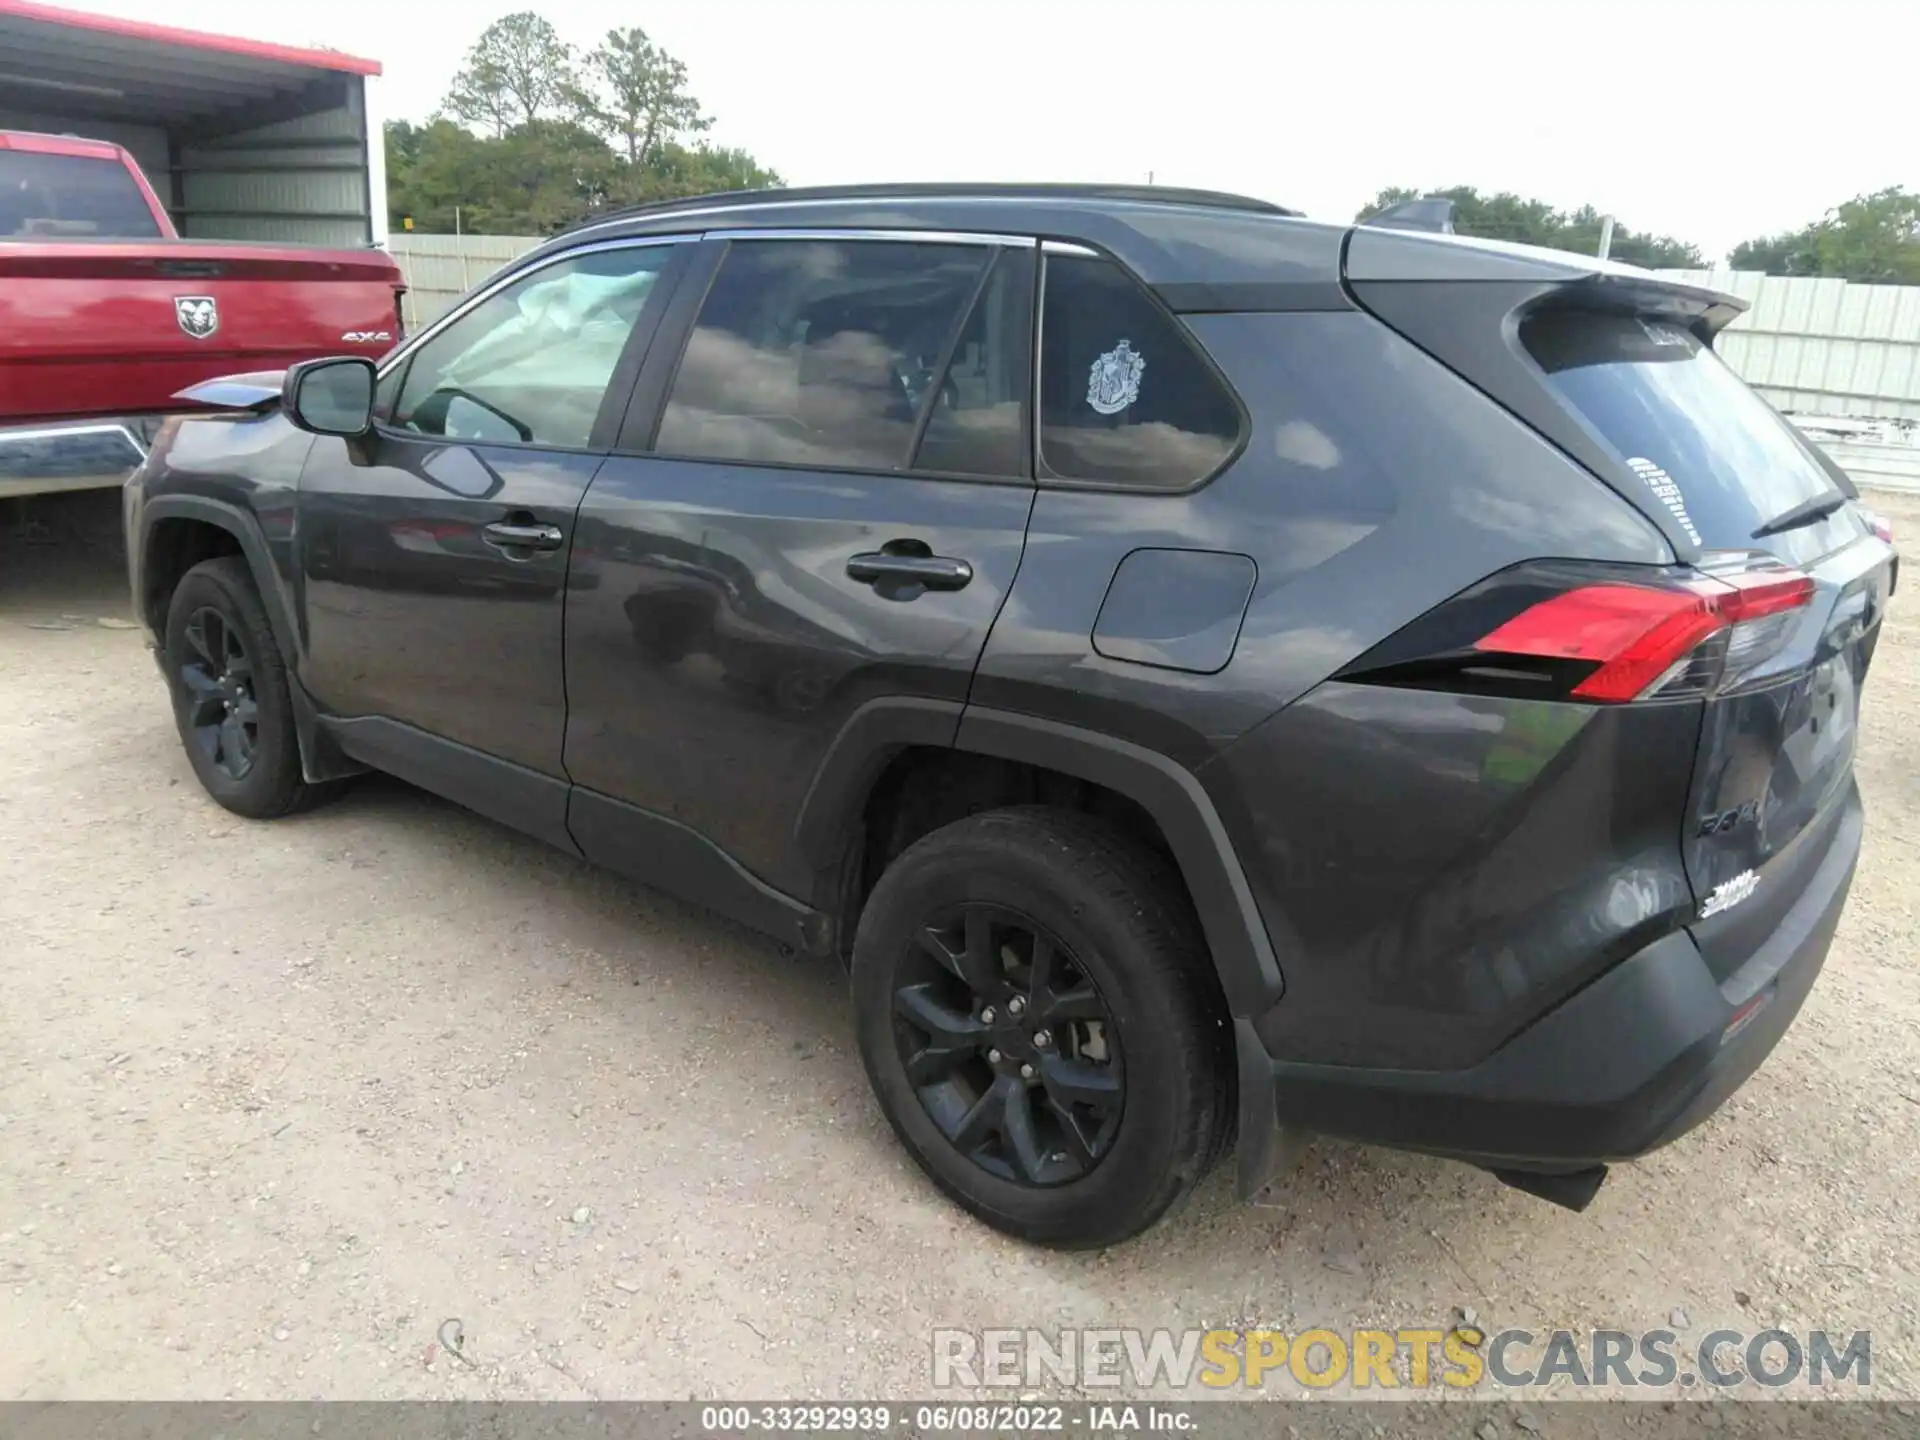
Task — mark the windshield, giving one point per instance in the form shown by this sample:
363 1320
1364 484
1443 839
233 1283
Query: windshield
47 196
1712 452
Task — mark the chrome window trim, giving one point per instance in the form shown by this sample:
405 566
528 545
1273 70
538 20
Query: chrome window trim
1067 247
922 237
494 284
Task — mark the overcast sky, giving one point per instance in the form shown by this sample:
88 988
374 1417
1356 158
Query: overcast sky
1711 122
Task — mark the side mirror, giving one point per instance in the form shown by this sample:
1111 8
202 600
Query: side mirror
330 397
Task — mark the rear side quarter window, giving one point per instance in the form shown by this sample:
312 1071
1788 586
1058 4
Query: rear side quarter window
1126 398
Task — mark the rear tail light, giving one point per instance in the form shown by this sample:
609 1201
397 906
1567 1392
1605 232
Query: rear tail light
1878 523
1690 636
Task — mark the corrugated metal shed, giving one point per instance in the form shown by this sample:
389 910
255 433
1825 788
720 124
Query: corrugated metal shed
242 139
302 180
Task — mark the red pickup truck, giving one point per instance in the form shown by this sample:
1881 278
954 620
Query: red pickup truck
106 314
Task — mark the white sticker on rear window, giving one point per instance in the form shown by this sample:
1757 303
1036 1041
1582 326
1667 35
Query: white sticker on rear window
1666 492
1663 334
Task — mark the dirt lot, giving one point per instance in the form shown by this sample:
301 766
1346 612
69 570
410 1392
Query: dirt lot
278 1100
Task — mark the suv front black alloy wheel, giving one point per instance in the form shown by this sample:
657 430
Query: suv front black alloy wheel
230 697
223 716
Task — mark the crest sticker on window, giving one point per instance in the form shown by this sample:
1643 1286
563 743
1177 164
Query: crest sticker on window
1114 382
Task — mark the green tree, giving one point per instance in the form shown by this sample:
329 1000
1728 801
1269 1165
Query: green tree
519 71
1506 216
1789 254
676 170
535 179
434 169
1872 238
634 93
556 145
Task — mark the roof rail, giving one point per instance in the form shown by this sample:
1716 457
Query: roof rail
933 190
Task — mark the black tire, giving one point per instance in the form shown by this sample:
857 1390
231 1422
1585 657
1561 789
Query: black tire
1121 914
267 783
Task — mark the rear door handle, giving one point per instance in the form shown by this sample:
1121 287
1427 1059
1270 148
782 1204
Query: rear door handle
929 572
510 536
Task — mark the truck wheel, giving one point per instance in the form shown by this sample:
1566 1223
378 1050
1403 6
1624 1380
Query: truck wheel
230 697
1039 1018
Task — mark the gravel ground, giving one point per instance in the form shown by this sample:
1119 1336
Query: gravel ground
278 1100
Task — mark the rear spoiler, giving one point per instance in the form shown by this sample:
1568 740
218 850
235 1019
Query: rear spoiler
1432 213
1394 255
254 390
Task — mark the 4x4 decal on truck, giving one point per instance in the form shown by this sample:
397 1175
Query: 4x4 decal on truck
197 314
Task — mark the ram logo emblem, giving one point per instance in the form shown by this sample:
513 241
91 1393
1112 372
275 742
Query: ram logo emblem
199 317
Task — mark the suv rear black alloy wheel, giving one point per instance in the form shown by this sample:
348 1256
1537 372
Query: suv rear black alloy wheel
217 676
1009 1046
1033 1006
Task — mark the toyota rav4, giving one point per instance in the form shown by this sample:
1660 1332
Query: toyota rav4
1212 676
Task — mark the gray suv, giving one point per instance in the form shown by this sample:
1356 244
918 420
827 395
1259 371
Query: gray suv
1211 676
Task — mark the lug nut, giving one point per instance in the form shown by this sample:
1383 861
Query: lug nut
993 1057
1016 1005
1026 1072
1042 1038
986 1016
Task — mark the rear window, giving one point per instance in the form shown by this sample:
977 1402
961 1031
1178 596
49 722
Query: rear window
49 196
1708 449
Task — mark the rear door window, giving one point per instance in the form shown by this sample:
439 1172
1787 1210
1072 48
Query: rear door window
1709 450
976 420
49 196
1125 397
828 354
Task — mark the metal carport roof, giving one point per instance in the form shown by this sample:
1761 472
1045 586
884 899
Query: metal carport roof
104 68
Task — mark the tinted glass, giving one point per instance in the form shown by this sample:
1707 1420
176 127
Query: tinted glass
977 423
54 195
1711 451
818 353
1124 398
530 364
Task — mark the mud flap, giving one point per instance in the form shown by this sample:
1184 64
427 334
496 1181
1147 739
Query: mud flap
1265 1146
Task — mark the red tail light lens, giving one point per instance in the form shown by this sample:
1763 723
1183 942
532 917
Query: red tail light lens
1645 639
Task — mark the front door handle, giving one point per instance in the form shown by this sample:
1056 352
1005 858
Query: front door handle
510 536
884 571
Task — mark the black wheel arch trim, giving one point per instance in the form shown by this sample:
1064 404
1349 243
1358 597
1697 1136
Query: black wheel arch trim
867 742
1243 955
253 546
320 759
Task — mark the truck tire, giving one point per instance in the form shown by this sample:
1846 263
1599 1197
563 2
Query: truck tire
1038 1016
229 688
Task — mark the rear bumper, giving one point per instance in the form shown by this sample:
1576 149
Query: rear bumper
1628 1064
70 455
